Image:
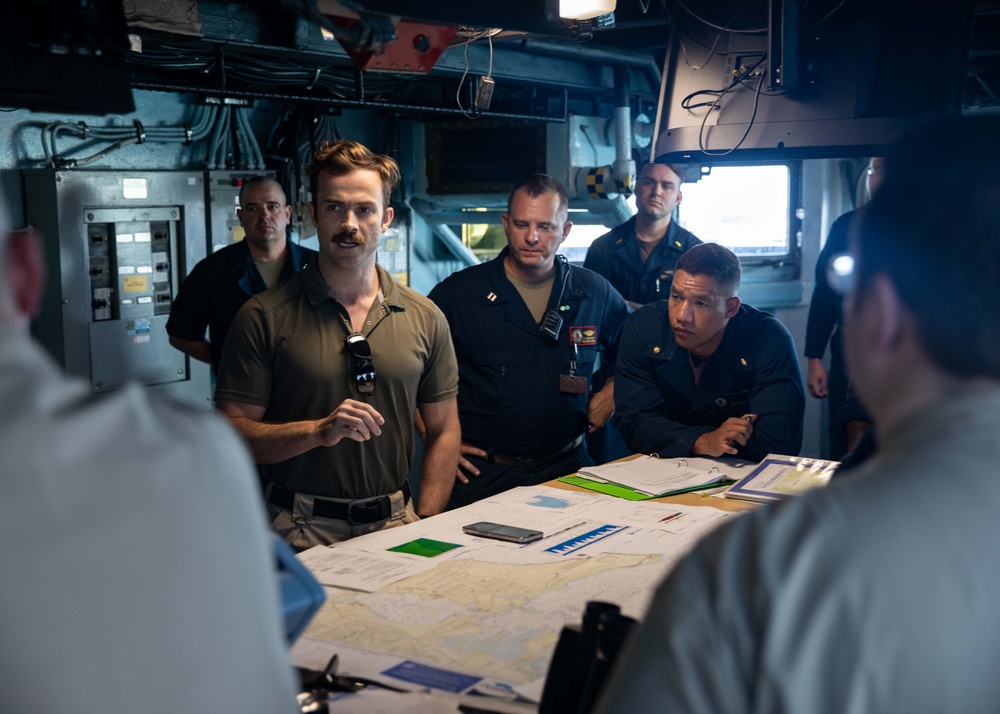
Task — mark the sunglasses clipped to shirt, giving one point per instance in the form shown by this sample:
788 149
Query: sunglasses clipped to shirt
361 361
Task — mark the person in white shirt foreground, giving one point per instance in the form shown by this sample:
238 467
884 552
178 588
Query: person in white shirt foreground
878 593
138 573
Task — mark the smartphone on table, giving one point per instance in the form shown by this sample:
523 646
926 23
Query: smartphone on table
513 534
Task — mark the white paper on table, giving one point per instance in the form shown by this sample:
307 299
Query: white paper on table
653 476
548 498
675 518
359 570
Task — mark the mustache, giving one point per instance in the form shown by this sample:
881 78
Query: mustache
349 237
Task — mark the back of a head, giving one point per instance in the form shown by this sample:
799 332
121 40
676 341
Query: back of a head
716 262
339 158
932 228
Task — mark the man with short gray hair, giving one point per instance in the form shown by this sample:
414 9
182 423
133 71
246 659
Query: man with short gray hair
138 570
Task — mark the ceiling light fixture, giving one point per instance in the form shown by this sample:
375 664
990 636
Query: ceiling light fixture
585 9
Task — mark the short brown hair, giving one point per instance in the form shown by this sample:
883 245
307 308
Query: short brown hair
536 185
679 169
338 158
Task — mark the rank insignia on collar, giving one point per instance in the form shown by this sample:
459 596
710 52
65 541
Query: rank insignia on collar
743 361
491 297
656 350
677 243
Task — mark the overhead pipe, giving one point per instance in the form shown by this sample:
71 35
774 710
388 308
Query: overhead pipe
346 103
596 55
608 186
624 166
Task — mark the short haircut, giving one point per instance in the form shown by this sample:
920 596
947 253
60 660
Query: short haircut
716 262
679 169
536 185
339 158
937 240
260 181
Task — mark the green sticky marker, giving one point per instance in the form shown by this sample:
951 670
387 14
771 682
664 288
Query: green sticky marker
425 547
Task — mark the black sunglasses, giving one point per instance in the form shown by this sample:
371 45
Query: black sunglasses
361 360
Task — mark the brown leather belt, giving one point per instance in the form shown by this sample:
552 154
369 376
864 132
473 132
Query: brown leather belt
360 511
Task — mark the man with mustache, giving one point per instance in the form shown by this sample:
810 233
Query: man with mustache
702 374
215 290
323 376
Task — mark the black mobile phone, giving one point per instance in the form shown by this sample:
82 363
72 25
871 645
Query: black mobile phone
485 529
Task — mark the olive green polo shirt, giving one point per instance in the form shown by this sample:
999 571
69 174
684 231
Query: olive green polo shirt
286 352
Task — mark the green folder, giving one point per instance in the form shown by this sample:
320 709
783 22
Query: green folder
614 489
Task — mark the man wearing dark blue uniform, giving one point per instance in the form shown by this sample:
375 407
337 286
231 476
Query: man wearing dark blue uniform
638 257
824 324
529 331
703 375
215 290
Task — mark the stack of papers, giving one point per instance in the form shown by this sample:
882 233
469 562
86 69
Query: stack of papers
650 476
779 476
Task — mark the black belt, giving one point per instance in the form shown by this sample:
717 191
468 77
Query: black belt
358 512
533 464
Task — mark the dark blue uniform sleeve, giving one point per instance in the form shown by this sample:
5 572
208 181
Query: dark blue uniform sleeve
598 256
191 310
777 398
616 312
641 413
644 416
824 307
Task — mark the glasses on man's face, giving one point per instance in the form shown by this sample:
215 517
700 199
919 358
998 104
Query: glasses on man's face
840 273
361 361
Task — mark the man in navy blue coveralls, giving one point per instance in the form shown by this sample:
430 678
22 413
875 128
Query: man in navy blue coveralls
824 324
529 332
638 257
703 375
215 290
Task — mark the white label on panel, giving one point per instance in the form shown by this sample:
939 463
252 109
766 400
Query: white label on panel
144 269
145 300
143 237
126 270
124 237
134 188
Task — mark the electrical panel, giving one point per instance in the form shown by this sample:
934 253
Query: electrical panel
118 245
393 252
